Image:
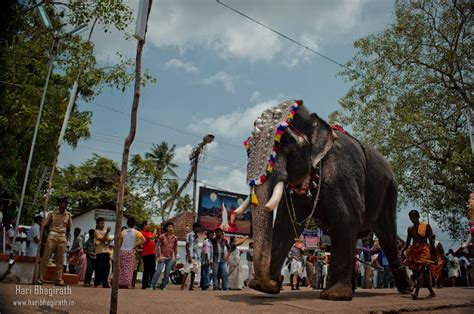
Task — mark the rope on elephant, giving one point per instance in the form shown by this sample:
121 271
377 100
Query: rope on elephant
292 213
370 264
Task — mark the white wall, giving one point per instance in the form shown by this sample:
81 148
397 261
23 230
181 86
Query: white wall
86 221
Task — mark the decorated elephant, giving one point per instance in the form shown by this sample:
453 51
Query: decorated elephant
302 167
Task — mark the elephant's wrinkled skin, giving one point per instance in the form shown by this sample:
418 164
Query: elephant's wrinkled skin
358 194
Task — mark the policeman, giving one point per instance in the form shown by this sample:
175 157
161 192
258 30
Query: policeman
58 226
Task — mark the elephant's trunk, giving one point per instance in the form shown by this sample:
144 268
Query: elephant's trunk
262 221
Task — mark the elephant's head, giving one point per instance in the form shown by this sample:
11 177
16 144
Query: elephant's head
286 143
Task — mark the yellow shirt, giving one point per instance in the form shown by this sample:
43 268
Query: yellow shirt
59 222
101 246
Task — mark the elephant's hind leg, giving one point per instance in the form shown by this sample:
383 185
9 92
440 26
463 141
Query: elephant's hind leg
386 230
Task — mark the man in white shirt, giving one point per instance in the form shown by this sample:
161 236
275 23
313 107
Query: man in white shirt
453 267
207 259
33 238
192 256
9 238
20 244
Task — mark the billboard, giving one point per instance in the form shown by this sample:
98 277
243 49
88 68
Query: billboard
216 210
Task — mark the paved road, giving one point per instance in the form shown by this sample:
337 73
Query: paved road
96 300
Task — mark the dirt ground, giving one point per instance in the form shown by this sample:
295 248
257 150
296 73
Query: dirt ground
78 299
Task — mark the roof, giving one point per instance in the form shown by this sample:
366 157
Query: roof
183 224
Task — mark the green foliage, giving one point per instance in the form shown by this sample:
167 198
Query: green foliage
94 184
155 176
411 98
25 50
185 204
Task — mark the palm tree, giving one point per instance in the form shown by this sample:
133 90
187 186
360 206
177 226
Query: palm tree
162 157
171 189
184 204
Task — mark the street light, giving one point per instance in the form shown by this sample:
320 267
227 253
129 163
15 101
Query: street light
194 159
43 14
54 51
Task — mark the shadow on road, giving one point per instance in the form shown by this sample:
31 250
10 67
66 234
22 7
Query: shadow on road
269 299
364 294
253 298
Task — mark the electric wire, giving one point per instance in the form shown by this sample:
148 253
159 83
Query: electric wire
285 36
181 164
162 125
179 152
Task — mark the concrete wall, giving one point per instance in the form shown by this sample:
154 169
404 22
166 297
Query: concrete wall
86 221
23 268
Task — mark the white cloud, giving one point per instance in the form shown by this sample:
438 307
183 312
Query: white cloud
235 125
184 24
183 152
232 181
180 65
255 96
226 79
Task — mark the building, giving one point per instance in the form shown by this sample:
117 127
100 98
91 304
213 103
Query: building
183 224
86 220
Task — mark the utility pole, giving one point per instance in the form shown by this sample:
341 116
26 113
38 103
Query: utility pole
194 158
195 166
54 51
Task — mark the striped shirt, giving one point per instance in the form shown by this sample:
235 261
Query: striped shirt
207 248
192 240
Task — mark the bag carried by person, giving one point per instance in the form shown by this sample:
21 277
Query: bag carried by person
73 258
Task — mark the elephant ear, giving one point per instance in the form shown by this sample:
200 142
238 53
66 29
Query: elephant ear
322 139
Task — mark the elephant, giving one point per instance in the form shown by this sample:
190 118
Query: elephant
304 169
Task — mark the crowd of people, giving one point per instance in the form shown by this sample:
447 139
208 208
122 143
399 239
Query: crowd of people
421 253
153 250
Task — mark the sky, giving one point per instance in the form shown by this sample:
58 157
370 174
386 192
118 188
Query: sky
217 71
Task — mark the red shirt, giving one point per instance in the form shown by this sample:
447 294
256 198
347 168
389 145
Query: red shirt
149 245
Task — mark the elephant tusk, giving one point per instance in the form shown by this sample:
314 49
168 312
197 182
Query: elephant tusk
241 209
276 197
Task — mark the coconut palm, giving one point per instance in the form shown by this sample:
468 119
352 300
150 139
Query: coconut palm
163 156
184 204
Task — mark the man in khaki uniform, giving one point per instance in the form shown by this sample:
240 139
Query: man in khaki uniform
58 225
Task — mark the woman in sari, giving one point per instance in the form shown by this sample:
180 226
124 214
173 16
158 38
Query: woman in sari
130 238
234 268
82 265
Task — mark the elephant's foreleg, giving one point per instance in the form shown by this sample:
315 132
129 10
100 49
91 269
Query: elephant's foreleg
341 264
284 233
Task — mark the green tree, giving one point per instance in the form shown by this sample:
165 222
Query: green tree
25 48
94 184
154 177
184 204
162 156
412 98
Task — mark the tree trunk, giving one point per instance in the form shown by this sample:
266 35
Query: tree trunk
123 173
470 120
